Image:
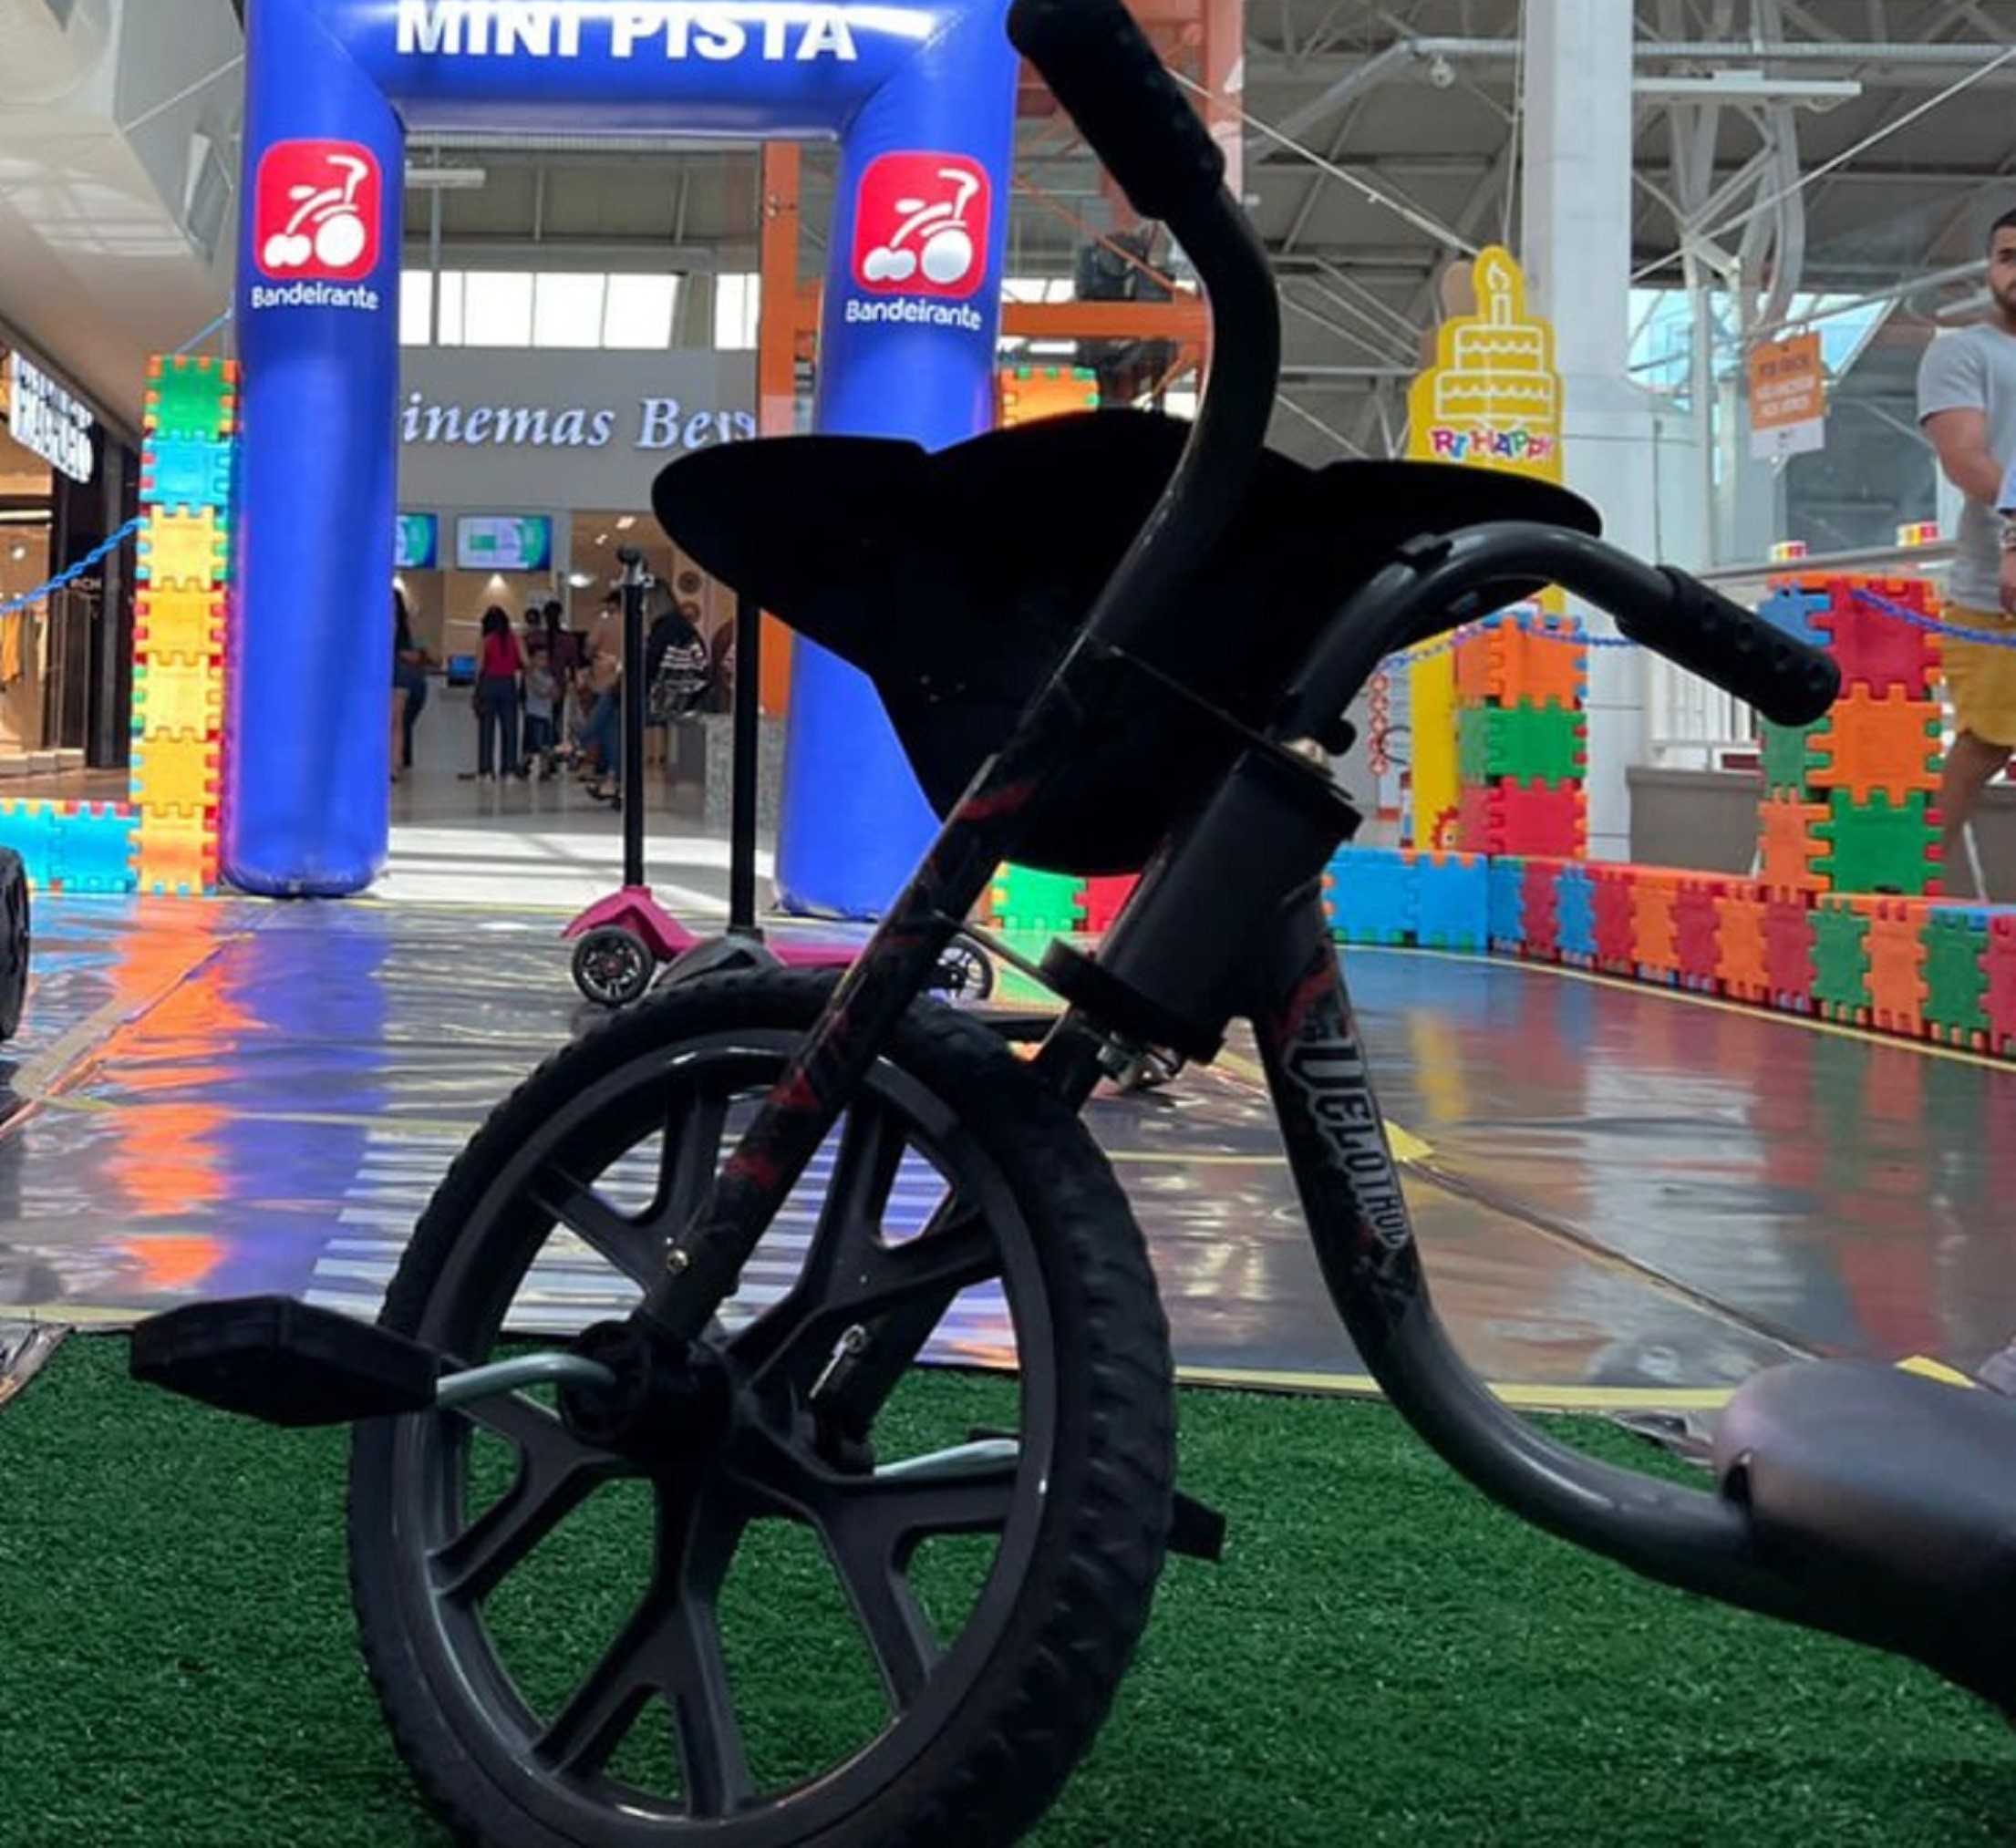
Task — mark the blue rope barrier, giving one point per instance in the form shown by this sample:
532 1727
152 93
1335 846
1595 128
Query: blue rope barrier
1903 613
1994 639
98 556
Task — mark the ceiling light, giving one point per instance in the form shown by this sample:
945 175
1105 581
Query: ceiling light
579 579
18 553
626 523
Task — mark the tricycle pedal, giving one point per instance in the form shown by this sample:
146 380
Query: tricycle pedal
1197 1530
284 1362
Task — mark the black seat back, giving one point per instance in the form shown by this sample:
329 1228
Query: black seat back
956 580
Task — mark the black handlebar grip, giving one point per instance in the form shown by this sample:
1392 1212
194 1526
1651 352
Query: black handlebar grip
1099 64
1787 680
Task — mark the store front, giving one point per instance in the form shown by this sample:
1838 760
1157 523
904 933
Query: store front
68 482
522 472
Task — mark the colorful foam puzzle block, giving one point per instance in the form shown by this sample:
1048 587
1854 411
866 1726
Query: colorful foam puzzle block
1872 648
189 551
178 697
1956 974
1451 901
1104 897
1575 914
1524 818
178 620
1841 960
1879 845
1028 900
92 848
178 852
1784 756
1616 940
1998 996
1506 905
189 397
1792 606
1697 932
186 471
1536 657
1655 893
1897 963
1547 744
29 827
180 772
1788 953
1873 744
1786 844
1371 895
1742 965
1540 909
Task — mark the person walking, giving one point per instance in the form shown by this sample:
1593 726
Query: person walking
1967 408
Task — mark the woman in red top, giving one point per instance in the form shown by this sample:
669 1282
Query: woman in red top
497 671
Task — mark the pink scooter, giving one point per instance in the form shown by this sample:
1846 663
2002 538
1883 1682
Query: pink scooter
626 941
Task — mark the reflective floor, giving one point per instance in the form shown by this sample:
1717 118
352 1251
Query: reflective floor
1626 1196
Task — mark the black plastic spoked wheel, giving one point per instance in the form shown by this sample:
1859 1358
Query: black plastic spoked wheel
872 1607
965 972
611 966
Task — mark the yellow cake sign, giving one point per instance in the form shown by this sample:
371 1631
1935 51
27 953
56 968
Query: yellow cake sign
1492 398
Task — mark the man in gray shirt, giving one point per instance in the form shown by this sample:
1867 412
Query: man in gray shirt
1966 406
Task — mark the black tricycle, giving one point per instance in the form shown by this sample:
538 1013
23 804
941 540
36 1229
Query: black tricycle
798 1181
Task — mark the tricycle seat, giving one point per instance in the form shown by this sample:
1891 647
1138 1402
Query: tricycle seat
1876 1486
956 580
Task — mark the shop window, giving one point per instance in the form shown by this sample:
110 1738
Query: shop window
737 312
497 308
639 312
568 310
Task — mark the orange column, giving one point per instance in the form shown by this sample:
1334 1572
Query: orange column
776 359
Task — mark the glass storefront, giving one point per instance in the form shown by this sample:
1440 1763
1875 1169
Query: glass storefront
66 486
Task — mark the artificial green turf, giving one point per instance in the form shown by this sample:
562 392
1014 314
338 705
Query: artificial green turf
1383 1658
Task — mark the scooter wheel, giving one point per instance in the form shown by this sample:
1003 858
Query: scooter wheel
14 941
612 966
965 972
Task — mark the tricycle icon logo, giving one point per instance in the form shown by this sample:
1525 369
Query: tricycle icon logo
920 225
316 214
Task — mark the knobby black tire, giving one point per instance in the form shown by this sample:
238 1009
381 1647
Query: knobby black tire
1038 1700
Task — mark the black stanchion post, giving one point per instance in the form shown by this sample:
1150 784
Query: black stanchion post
632 704
746 736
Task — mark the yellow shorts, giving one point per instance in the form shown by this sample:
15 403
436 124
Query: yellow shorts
1981 677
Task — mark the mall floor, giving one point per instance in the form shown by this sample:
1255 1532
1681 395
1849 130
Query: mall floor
1628 1197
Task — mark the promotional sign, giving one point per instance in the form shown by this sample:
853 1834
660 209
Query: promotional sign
46 419
921 99
487 542
561 428
1491 400
1788 398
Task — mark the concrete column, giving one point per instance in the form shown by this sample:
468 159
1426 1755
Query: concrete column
1576 167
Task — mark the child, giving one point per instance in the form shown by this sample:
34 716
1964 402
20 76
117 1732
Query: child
542 688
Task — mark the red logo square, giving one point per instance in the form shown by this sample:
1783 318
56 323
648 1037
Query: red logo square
316 212
921 224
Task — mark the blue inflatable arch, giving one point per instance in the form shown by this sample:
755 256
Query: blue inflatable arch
921 98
